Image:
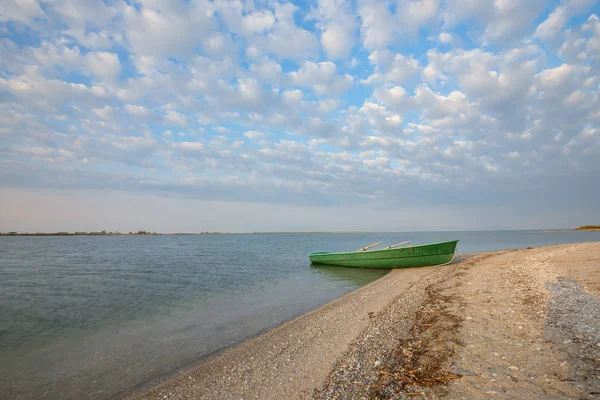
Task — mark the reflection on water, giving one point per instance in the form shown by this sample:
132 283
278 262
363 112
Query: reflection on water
354 276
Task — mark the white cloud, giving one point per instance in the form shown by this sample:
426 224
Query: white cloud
394 97
103 65
511 20
317 126
254 135
25 11
267 70
258 22
293 97
338 27
286 40
458 11
553 24
378 25
52 54
500 82
137 111
378 163
189 147
321 78
104 112
337 41
81 14
555 77
51 95
413 14
327 106
391 67
220 45
445 37
438 106
246 93
167 28
503 21
582 43
175 118
382 119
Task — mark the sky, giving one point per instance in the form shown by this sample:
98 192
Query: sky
408 115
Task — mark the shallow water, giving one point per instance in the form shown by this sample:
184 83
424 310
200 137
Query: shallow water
96 316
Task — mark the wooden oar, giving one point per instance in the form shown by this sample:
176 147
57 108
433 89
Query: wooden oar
397 244
369 246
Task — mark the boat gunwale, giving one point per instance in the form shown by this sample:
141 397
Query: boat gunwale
380 250
394 258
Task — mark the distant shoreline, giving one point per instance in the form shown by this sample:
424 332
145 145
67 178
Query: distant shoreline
164 234
588 228
172 234
109 234
145 233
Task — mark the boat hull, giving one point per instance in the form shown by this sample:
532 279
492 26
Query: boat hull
404 257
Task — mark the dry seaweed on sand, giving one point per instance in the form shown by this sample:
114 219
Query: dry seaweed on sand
404 351
417 363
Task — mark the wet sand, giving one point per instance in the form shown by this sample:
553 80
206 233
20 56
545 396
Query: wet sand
511 324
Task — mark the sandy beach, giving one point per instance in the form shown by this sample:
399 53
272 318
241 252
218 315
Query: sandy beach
510 324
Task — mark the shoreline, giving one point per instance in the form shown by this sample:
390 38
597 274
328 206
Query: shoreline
301 358
309 330
64 234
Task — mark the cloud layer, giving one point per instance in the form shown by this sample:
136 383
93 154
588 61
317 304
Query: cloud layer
415 103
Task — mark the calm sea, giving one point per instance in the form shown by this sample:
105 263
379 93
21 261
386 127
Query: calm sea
94 317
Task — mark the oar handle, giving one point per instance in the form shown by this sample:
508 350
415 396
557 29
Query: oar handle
398 244
369 246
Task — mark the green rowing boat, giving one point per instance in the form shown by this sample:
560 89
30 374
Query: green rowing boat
415 256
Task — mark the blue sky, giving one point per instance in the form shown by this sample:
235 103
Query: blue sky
323 115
